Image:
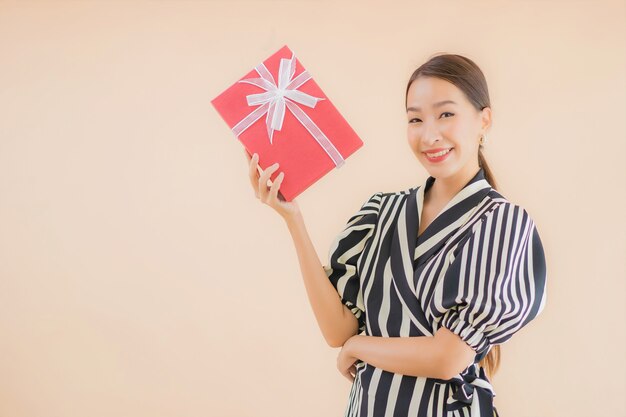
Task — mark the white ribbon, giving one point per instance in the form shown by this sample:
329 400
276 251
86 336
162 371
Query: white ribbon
277 97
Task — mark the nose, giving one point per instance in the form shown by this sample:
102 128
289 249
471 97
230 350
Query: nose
430 134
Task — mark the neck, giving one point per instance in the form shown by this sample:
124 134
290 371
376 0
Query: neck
444 189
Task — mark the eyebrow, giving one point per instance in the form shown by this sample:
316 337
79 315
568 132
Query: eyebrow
439 104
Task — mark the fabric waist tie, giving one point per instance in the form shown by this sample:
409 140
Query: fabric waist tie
473 389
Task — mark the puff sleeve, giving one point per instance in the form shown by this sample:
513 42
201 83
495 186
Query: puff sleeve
345 253
496 281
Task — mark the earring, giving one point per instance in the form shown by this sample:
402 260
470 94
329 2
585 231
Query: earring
483 139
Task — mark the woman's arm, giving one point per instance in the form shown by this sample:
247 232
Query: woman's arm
441 356
334 319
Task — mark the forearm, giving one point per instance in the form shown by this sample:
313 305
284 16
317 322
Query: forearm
329 311
414 356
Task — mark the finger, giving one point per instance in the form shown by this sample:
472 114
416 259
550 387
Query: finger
347 375
352 371
263 188
254 161
276 185
253 174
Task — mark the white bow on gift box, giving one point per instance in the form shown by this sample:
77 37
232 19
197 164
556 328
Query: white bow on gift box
284 95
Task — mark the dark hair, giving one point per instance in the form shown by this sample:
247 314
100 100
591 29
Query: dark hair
467 76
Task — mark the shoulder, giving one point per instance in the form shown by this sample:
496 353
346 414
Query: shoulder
372 204
384 197
368 212
378 198
499 205
400 192
502 217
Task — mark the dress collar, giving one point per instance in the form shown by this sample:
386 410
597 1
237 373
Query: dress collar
450 218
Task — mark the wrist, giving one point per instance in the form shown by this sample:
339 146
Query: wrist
351 345
293 220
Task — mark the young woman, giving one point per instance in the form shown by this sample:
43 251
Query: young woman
423 285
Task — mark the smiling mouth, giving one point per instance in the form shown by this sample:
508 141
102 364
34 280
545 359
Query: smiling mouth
438 154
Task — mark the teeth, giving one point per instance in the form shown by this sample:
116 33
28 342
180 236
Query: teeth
434 155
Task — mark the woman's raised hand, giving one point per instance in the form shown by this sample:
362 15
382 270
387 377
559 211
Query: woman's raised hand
269 195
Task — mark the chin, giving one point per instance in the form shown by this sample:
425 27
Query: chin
441 171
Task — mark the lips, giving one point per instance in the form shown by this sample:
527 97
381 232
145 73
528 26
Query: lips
438 158
436 150
433 151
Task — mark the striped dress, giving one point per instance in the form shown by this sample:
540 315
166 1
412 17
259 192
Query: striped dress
478 269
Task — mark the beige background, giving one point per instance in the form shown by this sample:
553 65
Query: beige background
140 276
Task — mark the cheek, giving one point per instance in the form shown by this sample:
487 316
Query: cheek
454 129
460 134
410 133
412 139
414 129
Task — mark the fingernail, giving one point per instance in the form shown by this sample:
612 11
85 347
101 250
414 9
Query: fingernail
255 156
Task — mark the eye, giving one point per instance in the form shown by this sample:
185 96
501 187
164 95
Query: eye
446 112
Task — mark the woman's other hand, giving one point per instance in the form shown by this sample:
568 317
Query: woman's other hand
346 361
270 195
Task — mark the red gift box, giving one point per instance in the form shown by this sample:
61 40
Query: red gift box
279 112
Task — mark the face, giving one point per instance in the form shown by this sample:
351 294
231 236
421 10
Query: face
433 127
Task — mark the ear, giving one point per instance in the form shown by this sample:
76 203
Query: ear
486 118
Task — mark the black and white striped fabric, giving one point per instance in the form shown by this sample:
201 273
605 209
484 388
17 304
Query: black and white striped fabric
478 269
